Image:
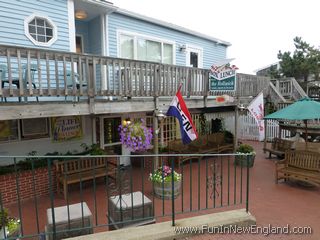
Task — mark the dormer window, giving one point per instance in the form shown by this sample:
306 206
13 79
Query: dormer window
40 30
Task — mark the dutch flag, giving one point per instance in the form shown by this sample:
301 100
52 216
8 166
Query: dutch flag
179 110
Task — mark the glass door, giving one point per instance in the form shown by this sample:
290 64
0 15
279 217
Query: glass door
108 134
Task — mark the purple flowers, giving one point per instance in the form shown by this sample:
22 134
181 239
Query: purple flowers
135 136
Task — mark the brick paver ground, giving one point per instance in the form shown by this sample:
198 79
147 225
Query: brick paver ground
277 204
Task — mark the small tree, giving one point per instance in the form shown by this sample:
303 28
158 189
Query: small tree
303 62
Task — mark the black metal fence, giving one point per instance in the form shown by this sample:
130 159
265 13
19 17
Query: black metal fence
63 196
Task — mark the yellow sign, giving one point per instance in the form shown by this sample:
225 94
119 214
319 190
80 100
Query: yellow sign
66 128
4 129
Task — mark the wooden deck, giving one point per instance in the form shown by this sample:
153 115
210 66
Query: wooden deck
56 83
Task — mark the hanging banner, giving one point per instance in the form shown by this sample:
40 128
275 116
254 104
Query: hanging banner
66 128
223 78
256 108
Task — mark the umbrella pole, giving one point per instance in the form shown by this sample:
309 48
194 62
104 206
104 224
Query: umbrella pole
306 138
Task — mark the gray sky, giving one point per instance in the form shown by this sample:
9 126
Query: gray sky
257 29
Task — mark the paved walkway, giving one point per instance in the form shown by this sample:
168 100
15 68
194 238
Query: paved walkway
277 204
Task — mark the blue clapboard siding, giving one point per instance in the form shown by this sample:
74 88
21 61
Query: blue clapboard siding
212 53
14 12
95 35
91 33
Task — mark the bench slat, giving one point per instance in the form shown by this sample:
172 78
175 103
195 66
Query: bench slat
76 170
300 165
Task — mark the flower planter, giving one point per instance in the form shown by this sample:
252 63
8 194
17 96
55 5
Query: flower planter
13 235
241 160
164 190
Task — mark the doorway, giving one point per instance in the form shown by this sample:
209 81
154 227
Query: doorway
194 56
107 134
79 44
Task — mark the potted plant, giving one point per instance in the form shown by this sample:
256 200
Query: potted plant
241 159
162 182
9 226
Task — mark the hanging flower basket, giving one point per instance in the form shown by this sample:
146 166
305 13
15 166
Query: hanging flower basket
135 136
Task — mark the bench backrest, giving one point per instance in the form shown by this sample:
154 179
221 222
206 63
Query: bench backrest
311 146
281 144
303 159
80 164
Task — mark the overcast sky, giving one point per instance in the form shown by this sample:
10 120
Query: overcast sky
257 29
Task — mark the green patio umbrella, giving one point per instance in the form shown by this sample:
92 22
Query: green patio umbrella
303 109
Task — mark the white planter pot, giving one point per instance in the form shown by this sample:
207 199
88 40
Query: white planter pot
125 160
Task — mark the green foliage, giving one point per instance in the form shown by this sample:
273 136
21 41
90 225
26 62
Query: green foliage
216 125
202 120
228 136
245 148
3 217
12 224
34 162
93 149
303 62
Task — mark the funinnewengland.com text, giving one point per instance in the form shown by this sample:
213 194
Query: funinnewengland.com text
253 229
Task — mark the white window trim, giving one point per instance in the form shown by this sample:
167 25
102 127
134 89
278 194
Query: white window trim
197 49
72 26
136 35
28 19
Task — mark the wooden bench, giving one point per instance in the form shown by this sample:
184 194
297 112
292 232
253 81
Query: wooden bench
278 147
206 144
299 165
77 170
311 146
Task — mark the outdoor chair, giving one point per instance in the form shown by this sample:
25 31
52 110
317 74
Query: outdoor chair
15 78
76 83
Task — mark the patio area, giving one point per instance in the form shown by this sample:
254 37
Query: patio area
275 204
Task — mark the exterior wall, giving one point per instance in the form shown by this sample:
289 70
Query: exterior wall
8 187
95 35
212 53
45 145
91 33
14 12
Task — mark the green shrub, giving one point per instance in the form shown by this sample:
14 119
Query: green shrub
228 136
245 148
35 162
3 217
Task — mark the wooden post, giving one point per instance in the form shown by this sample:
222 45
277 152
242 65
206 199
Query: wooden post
236 115
265 135
156 137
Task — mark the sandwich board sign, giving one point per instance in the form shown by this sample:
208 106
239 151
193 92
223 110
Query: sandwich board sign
223 77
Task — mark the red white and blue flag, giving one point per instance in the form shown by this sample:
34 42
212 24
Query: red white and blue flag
179 110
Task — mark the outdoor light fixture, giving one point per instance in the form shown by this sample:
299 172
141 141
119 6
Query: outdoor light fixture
81 14
127 121
241 107
159 114
183 48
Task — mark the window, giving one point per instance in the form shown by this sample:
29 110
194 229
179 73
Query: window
34 128
126 43
194 59
9 130
135 46
40 30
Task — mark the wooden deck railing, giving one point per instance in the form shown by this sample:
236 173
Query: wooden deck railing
37 72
